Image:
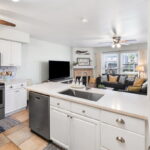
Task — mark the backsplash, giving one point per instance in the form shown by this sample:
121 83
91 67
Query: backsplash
7 73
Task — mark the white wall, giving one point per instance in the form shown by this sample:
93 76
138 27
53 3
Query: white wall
35 57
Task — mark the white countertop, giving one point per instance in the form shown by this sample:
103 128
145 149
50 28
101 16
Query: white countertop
133 105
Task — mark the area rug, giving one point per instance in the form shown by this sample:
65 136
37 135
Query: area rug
52 146
7 123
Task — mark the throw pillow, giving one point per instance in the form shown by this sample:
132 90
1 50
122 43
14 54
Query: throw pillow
138 82
104 78
133 89
122 79
113 78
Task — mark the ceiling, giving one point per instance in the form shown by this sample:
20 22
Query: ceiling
60 20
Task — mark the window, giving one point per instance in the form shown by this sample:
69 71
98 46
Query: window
129 61
119 62
110 63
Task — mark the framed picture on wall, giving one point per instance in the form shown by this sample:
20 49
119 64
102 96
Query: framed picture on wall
83 61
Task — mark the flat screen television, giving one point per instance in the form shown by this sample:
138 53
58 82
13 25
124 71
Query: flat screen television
59 69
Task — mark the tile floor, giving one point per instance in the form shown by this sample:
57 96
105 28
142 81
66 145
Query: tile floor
20 137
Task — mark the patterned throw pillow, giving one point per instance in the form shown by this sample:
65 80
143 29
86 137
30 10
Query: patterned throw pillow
113 78
104 78
122 79
138 82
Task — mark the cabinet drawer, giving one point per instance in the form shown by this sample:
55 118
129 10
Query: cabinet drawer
125 122
86 111
60 103
16 86
119 139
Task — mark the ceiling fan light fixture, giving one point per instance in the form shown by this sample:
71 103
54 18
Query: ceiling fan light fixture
113 46
118 45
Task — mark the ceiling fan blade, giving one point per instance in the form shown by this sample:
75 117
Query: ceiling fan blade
3 22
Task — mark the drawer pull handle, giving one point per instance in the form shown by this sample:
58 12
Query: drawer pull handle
120 139
121 121
58 104
83 111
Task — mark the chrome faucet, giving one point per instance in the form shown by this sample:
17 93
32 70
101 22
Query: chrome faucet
87 84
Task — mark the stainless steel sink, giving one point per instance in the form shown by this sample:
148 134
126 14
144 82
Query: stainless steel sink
80 94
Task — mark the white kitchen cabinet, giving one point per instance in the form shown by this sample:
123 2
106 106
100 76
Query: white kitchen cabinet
5 50
84 134
20 98
15 54
15 98
9 101
118 139
73 131
59 127
10 53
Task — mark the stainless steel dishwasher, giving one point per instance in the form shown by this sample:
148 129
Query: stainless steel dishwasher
39 114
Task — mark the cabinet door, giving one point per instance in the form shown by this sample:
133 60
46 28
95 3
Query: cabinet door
20 98
84 134
59 127
9 101
15 54
5 50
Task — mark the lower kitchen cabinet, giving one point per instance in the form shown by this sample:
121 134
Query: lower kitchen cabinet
15 99
74 132
59 127
84 134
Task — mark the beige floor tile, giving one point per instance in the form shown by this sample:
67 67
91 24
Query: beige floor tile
9 146
3 139
20 136
34 143
21 116
13 129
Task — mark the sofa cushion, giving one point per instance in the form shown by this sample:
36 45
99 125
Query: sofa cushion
134 88
139 82
122 79
113 79
104 78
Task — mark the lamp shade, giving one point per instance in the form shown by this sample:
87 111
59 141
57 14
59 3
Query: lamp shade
140 68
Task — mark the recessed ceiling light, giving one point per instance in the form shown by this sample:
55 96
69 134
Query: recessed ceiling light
15 1
84 20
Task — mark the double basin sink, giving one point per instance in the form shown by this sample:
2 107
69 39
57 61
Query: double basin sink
80 94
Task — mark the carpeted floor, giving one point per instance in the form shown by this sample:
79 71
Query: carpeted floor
7 123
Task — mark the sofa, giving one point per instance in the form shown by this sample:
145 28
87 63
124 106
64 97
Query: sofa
120 85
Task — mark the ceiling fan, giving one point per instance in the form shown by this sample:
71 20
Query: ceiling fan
6 23
117 40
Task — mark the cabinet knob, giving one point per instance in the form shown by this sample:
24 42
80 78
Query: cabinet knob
68 116
83 111
71 117
120 139
11 87
58 104
121 121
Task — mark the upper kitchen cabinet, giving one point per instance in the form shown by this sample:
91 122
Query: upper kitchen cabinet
16 54
10 53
